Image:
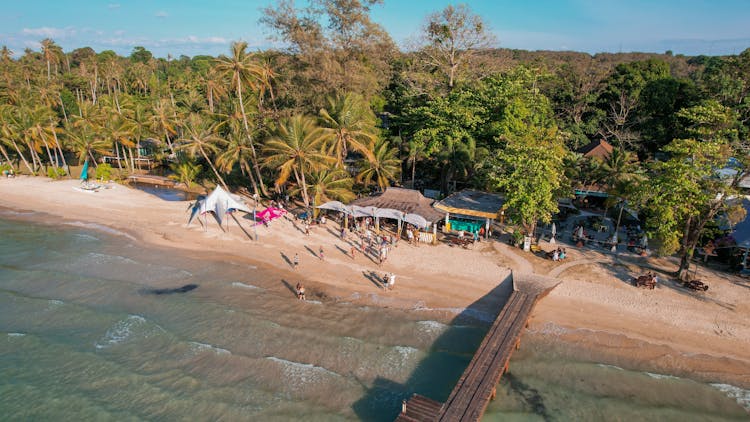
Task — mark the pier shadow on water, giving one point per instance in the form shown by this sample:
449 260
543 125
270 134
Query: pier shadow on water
450 354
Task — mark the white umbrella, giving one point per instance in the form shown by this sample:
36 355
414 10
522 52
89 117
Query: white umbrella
554 232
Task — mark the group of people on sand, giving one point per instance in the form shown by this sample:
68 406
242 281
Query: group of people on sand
558 254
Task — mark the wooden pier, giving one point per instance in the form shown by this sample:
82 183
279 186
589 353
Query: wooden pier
477 385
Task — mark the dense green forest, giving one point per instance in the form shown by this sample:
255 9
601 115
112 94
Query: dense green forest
341 110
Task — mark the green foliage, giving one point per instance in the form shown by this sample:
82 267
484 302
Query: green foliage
140 55
56 172
529 172
185 172
103 172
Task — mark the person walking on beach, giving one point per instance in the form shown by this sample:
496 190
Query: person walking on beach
296 261
391 281
320 254
353 251
307 229
364 249
300 291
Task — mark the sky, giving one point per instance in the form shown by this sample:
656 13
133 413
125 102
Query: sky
192 27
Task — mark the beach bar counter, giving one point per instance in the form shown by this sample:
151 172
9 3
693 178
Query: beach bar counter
470 210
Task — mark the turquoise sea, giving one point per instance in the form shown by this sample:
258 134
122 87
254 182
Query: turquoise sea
95 326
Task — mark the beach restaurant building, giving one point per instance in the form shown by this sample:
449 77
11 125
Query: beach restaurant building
470 210
402 205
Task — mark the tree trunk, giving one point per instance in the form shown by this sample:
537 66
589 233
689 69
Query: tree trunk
117 152
49 153
18 150
169 141
59 148
413 171
93 159
692 236
250 175
250 138
62 105
5 154
218 176
132 161
303 185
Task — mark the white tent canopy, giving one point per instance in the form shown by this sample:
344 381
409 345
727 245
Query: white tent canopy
416 220
357 211
220 202
335 206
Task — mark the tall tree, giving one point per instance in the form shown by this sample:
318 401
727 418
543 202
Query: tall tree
242 71
383 168
297 148
52 54
529 171
452 36
352 125
201 138
685 192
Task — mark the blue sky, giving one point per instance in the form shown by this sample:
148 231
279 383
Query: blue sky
193 27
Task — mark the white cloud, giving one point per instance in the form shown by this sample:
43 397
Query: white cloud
161 14
50 32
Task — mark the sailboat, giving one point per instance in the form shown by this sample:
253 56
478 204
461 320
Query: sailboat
86 185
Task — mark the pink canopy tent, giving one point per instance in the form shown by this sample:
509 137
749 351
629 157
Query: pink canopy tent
269 214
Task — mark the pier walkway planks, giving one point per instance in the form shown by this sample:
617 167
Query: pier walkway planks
476 387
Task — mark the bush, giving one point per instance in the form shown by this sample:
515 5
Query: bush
517 236
55 172
185 172
103 172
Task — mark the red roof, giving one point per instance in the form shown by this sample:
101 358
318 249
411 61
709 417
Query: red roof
598 148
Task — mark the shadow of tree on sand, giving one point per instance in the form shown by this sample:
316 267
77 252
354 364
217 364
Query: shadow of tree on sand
448 357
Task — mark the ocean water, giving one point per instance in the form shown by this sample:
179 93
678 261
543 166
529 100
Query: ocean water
94 326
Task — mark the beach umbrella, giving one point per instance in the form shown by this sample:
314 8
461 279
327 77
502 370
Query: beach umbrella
554 232
85 171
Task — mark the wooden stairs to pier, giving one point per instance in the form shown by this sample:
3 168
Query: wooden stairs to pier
477 385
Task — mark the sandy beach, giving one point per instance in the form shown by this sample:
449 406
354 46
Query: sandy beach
704 335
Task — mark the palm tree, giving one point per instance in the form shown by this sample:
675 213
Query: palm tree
297 148
237 151
215 88
86 133
351 121
383 168
618 169
416 150
10 130
331 184
163 120
201 138
51 53
242 71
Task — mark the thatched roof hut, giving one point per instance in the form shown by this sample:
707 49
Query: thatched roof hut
405 200
472 203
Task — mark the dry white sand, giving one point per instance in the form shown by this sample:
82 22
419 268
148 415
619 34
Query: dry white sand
669 328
